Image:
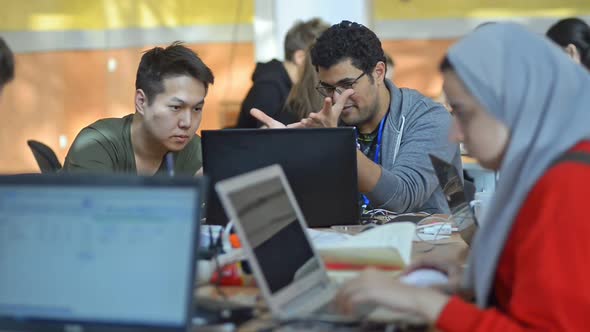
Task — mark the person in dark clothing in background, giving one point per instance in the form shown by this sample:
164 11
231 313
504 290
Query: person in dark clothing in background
272 81
6 64
390 66
573 35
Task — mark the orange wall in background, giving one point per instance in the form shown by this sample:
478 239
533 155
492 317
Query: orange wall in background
417 62
58 93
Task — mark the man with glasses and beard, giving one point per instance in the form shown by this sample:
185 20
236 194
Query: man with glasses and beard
397 128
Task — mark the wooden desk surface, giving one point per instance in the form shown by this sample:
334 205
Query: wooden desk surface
453 248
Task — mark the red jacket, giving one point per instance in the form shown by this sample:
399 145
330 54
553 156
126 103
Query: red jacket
543 276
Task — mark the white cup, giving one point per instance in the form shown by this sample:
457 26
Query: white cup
205 270
480 203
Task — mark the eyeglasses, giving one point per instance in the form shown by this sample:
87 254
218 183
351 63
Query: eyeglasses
328 90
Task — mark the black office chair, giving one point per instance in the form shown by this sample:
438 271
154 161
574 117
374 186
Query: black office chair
469 190
45 157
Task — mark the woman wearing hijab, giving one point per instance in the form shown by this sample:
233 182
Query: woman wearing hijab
510 90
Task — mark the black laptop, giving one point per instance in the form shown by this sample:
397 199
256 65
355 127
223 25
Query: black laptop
320 165
98 253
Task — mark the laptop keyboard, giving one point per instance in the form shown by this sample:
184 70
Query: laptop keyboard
328 308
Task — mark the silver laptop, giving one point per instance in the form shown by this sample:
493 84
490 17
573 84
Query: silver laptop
287 268
97 253
451 183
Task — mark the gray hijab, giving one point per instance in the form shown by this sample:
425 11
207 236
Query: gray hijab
543 97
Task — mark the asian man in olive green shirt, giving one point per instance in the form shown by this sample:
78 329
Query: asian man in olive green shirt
171 86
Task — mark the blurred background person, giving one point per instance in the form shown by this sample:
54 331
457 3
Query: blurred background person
390 67
573 35
304 97
272 81
6 65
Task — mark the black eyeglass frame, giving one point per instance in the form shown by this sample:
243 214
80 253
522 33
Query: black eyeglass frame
328 90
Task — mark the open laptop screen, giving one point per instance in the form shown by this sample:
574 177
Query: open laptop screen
276 236
115 255
320 164
451 183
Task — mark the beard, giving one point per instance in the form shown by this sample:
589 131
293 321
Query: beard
357 117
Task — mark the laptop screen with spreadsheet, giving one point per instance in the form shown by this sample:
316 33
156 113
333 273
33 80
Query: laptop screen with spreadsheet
98 253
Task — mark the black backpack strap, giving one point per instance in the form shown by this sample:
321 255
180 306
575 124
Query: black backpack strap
581 157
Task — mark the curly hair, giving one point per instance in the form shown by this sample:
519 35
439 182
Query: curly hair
348 40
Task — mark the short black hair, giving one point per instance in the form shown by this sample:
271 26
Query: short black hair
348 40
160 63
302 35
6 63
572 31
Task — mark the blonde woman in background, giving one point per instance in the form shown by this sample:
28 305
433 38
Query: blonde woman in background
303 98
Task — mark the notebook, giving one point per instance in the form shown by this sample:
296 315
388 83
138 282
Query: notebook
98 253
288 270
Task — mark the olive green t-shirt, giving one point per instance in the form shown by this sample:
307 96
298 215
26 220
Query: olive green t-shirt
105 146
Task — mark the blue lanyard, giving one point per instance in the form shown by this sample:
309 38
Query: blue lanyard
377 150
379 138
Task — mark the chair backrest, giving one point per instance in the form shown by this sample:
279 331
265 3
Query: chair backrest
45 157
469 189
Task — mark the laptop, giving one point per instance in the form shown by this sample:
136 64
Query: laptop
98 253
271 226
451 183
320 164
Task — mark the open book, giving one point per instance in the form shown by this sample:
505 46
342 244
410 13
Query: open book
387 247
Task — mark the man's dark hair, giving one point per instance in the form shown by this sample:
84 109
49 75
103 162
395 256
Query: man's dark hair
302 35
6 64
572 31
160 63
348 40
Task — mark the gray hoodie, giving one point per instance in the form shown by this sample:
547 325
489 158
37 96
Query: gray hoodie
415 127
